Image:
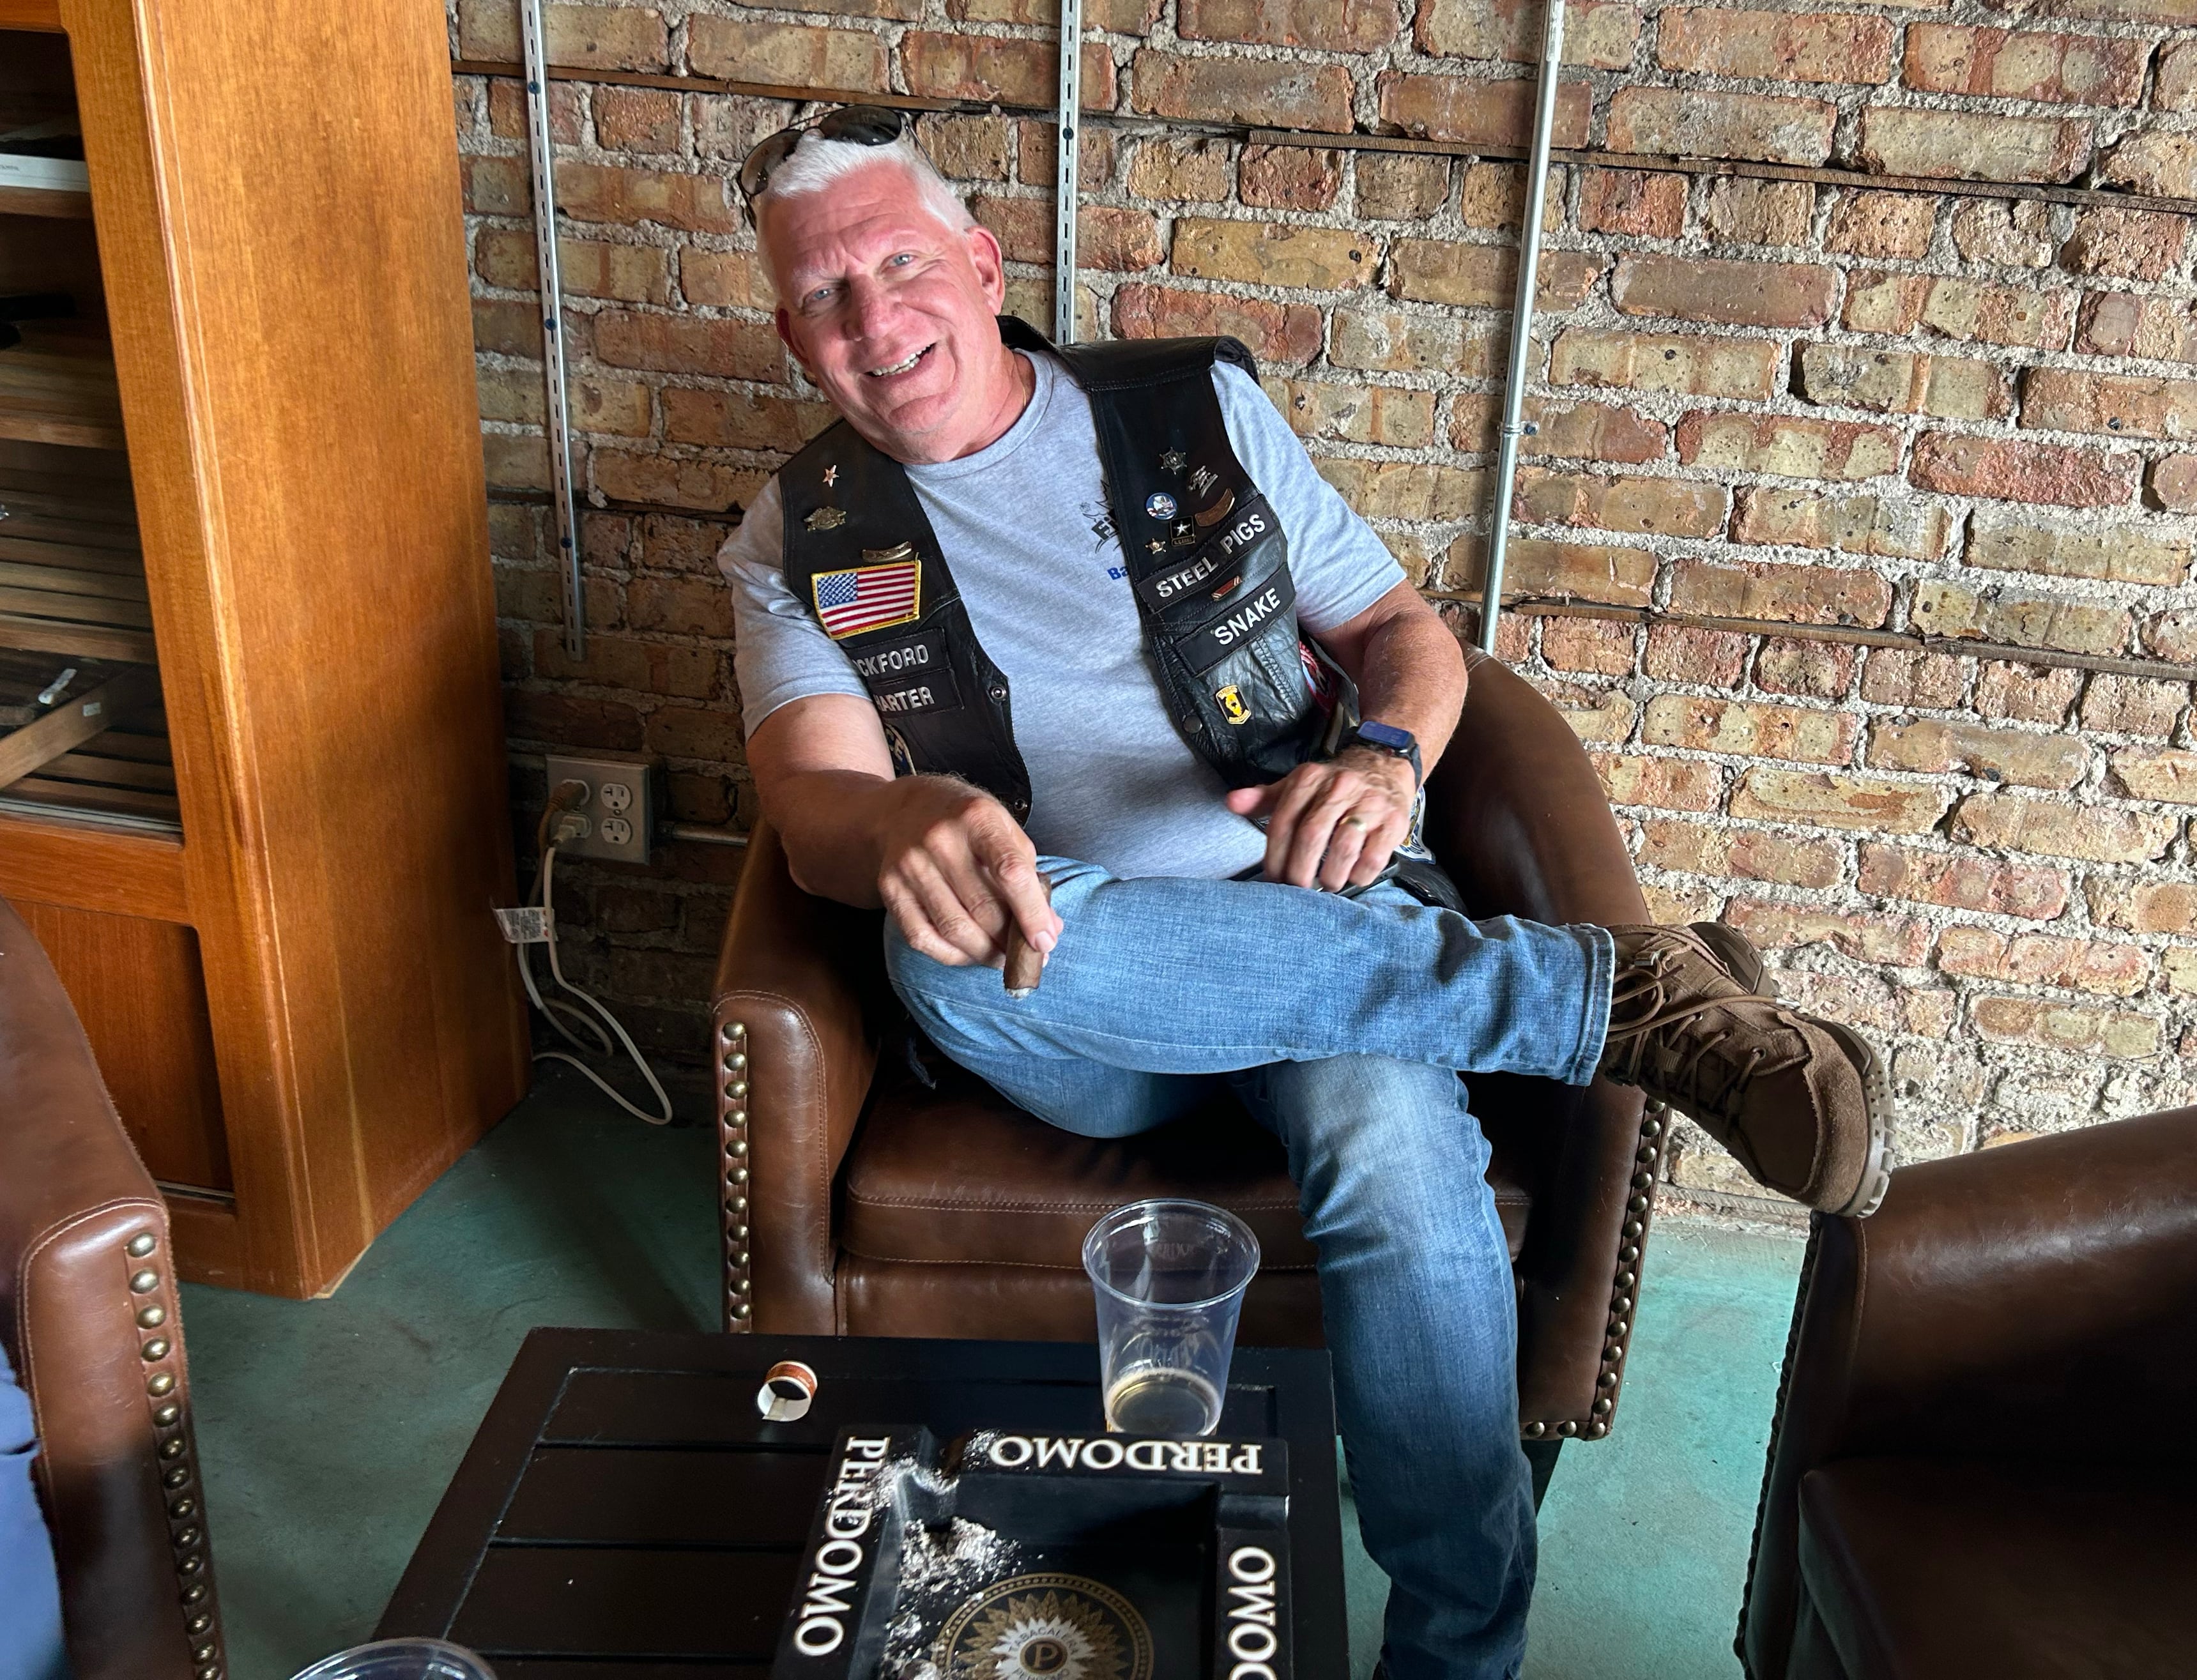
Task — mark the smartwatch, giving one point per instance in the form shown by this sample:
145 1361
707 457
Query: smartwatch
1386 738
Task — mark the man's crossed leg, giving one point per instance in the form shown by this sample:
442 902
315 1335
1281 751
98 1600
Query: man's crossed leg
1341 1023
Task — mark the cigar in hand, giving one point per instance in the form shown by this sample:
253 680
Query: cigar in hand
1025 963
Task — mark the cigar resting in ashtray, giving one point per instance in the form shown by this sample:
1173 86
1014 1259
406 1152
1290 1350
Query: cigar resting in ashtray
1024 962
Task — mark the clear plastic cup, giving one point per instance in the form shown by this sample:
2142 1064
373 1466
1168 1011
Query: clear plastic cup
401 1659
1169 1279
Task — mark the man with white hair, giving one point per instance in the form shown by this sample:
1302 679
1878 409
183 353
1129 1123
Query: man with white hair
1088 619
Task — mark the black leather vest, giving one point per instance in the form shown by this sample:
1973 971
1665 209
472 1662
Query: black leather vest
1207 558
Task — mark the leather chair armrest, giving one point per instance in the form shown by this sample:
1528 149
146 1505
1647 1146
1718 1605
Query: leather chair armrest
797 1006
2027 1301
81 1226
1519 819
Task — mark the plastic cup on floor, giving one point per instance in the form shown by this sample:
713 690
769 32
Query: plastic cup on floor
1169 1278
401 1659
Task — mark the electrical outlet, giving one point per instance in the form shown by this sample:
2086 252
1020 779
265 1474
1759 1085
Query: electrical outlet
619 810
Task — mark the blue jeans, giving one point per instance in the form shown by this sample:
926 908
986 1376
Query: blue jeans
1341 1023
29 1593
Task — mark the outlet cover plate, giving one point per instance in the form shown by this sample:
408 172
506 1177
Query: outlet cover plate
630 818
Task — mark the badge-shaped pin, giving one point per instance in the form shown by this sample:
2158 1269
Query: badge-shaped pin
1159 505
1201 481
825 519
1157 546
831 475
1231 705
1173 461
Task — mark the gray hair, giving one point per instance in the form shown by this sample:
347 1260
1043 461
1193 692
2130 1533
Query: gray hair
818 162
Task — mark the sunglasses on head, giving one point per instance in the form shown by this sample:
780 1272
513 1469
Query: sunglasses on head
857 124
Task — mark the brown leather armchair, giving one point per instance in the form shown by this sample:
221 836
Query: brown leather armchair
87 1307
857 1203
1977 1469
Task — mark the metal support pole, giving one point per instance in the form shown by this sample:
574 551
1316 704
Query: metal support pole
1064 190
1521 318
552 326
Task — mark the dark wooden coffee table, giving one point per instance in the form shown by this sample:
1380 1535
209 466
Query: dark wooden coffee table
624 1515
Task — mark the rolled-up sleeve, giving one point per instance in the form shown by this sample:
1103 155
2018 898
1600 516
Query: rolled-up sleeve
1337 561
780 653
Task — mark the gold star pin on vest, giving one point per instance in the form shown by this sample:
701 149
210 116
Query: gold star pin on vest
831 475
825 519
1173 462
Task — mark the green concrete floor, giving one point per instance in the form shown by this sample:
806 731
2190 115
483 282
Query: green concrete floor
330 1429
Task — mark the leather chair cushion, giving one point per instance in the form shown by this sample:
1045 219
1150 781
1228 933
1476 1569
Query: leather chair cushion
1031 1303
962 1175
1991 1569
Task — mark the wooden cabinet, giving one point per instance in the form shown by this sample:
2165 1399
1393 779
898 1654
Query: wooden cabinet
242 477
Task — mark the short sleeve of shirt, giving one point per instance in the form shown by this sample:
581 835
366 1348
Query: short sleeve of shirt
780 652
1338 563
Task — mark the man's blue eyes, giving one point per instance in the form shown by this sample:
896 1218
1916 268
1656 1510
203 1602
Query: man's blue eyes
823 292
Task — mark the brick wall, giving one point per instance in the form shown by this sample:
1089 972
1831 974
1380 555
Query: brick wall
1853 539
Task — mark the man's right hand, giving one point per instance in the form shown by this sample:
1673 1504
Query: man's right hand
953 869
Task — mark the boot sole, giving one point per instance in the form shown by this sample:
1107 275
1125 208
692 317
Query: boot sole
1738 955
1876 1098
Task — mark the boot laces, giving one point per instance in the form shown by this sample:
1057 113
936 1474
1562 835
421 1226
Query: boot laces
1694 1068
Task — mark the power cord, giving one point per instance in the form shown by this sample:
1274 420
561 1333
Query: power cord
560 823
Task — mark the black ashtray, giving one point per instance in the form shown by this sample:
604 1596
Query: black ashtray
1044 1557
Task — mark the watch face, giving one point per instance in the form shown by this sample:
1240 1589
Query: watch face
1383 735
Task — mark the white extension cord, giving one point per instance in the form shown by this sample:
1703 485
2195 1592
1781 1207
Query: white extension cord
552 1008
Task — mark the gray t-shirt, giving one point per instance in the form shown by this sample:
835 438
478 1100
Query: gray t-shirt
1025 526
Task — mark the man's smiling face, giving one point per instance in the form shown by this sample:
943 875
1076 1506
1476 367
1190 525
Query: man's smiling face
891 312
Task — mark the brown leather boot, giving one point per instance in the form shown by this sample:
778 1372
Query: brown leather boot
1736 952
1801 1103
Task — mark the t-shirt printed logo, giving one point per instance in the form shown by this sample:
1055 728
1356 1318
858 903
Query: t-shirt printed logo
870 597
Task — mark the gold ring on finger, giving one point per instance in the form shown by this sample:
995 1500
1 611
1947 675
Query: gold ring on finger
1353 822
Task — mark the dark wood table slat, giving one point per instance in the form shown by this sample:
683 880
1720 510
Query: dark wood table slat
622 1496
624 1408
628 1602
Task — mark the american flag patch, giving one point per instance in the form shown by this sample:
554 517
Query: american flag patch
867 597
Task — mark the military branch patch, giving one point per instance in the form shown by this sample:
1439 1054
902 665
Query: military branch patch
870 597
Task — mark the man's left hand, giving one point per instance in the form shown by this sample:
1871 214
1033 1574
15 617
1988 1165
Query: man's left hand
1333 824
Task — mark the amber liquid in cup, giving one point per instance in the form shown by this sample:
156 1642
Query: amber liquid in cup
1168 1278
